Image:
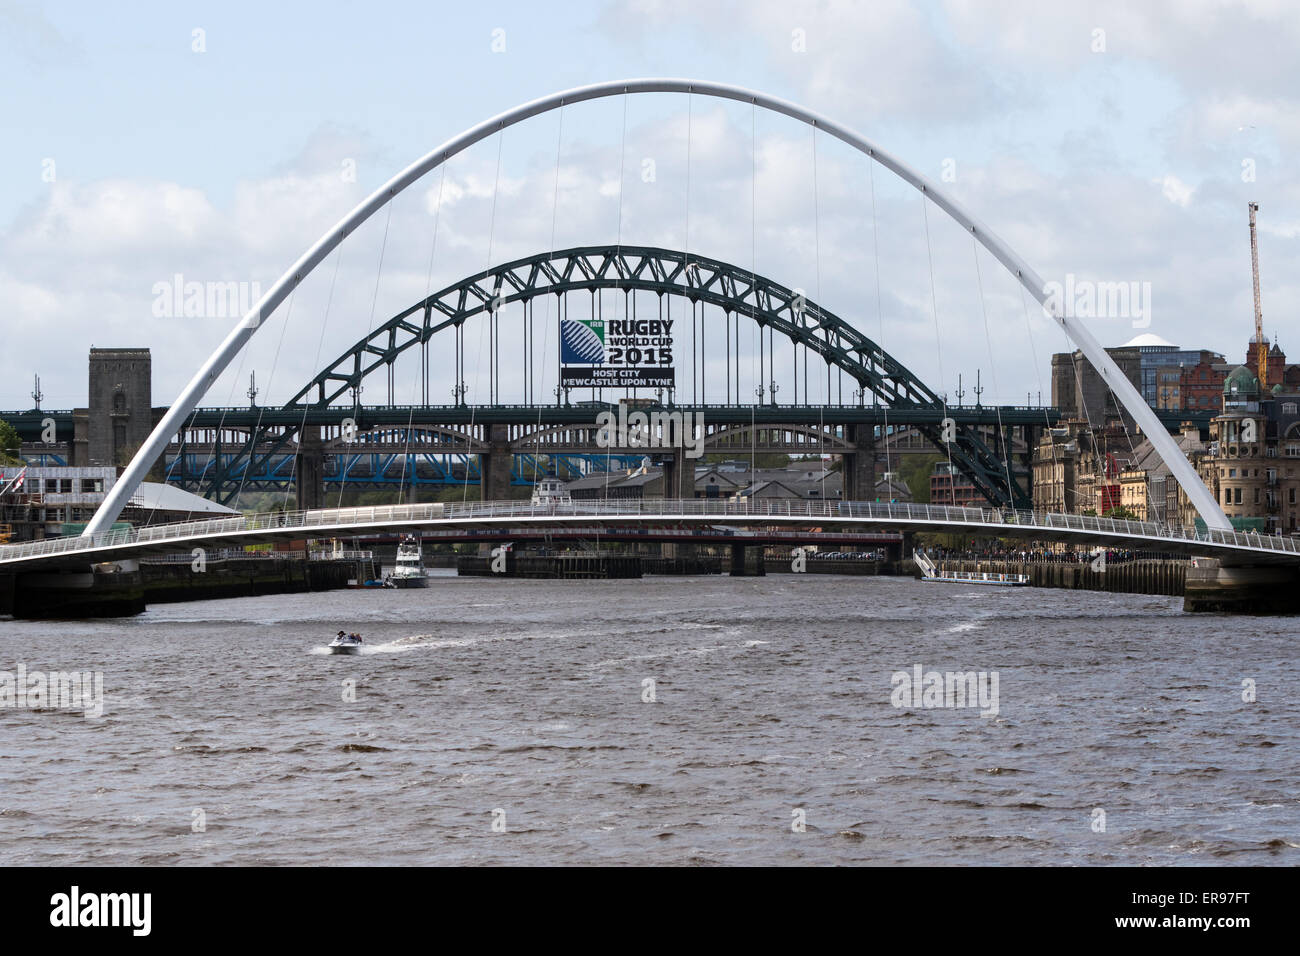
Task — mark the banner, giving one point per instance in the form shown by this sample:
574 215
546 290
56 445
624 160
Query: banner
616 353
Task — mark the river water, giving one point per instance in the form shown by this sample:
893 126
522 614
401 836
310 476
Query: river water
508 721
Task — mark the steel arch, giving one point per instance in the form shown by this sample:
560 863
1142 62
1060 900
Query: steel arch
674 273
156 444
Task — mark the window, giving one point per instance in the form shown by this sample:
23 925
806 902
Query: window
1237 497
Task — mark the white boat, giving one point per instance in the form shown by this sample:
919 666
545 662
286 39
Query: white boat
551 491
930 572
409 572
345 644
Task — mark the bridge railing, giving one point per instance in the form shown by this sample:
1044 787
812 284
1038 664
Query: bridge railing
320 520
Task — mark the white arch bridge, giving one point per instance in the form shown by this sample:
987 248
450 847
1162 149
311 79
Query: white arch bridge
646 518
173 421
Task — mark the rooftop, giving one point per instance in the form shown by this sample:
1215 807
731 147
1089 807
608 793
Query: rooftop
1148 340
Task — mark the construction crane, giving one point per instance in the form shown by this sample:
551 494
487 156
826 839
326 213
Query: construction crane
1261 347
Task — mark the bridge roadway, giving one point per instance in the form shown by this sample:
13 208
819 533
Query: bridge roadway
31 424
629 519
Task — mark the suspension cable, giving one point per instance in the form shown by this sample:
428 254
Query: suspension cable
320 342
478 359
979 281
880 308
428 290
938 345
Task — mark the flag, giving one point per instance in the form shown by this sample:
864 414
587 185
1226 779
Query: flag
14 485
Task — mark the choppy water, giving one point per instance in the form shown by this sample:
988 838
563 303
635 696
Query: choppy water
773 694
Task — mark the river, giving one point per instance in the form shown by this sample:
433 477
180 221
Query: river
707 720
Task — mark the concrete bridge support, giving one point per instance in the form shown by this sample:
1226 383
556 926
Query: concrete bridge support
747 561
494 465
1212 587
679 475
113 590
859 466
309 469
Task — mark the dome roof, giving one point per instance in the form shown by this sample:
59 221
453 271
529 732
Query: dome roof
1241 381
1147 339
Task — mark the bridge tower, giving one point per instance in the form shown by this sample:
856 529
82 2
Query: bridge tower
860 464
309 469
494 466
120 410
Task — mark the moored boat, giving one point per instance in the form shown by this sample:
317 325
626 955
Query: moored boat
930 572
409 572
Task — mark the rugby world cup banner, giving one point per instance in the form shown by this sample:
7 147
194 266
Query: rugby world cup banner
616 353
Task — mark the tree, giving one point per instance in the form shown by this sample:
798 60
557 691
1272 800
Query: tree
915 472
10 444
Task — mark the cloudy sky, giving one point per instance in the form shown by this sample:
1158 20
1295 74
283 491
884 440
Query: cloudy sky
214 142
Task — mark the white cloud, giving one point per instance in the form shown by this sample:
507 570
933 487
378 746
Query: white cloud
1175 190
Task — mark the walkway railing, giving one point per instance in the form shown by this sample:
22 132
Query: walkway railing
320 521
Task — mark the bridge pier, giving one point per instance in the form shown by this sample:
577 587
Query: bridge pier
747 561
679 475
309 469
494 465
112 590
1270 589
859 466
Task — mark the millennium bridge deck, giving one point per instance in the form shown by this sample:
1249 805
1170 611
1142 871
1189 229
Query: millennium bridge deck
639 520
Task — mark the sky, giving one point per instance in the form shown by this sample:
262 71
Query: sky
152 145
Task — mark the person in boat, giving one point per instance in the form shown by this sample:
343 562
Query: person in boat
342 635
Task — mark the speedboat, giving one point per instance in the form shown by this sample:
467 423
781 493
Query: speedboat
345 644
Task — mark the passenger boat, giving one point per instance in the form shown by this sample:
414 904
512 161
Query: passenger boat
551 491
930 572
409 572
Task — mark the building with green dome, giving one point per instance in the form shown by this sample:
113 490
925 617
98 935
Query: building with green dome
1252 462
